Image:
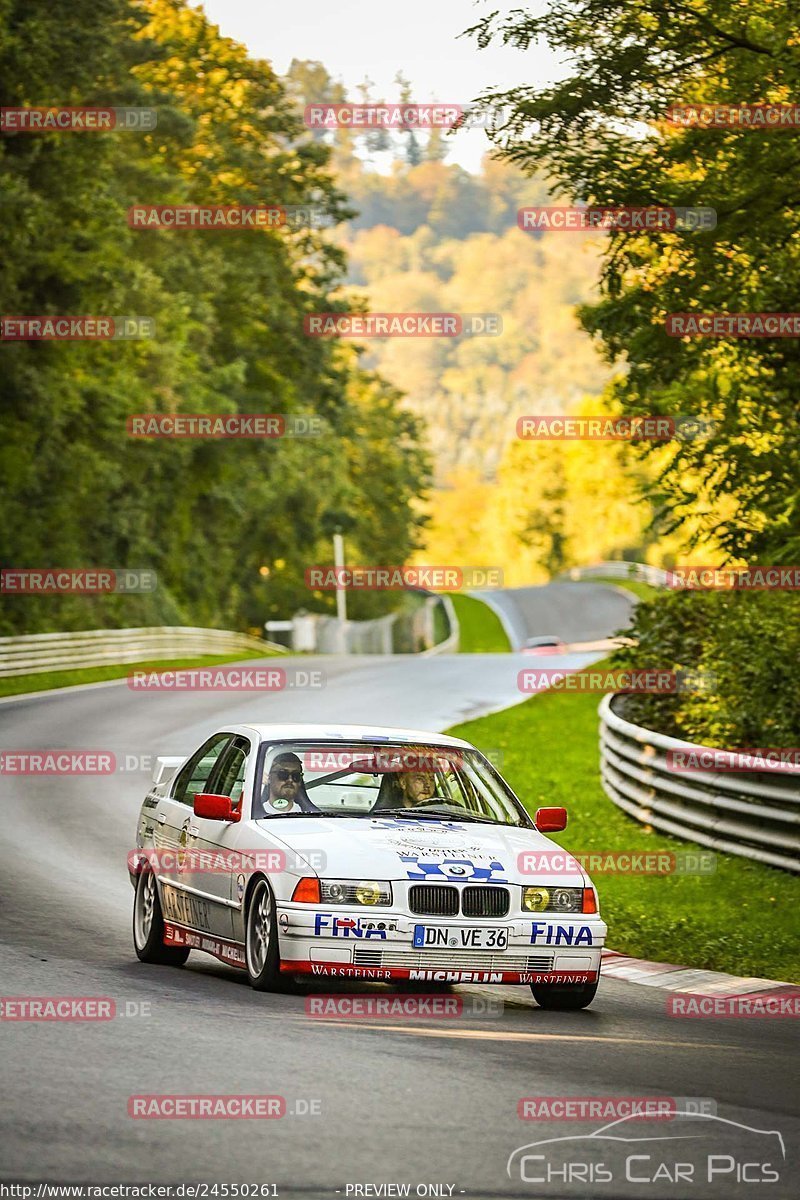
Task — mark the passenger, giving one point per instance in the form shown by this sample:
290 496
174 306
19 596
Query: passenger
416 787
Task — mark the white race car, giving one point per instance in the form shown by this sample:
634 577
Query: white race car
382 854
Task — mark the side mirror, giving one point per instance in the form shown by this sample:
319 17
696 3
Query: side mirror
216 808
551 820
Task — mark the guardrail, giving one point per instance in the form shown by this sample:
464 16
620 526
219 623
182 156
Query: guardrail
451 642
643 572
408 631
38 652
755 814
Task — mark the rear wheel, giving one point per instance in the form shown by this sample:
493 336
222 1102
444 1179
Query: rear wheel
564 996
148 925
261 940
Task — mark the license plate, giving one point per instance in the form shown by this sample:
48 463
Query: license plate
459 937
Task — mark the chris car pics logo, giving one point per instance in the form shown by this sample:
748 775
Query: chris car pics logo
695 1149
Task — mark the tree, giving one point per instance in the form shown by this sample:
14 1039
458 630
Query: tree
374 141
630 60
437 147
228 311
413 151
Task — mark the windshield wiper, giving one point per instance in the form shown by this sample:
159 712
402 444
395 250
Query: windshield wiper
318 813
414 815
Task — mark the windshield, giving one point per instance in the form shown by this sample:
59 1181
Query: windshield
426 782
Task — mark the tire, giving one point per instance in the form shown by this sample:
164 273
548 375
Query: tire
148 926
261 940
568 997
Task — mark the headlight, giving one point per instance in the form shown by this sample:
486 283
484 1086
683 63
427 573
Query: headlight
552 899
361 891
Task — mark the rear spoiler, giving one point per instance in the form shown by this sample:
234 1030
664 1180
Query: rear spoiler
165 766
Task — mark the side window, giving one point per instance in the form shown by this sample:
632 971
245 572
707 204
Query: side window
230 770
195 775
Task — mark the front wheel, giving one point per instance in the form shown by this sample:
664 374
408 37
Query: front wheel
148 926
565 996
261 940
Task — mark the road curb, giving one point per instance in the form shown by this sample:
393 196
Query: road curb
672 978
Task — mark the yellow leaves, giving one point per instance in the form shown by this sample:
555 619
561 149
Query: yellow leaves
457 514
553 504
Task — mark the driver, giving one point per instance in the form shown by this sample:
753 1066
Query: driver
285 788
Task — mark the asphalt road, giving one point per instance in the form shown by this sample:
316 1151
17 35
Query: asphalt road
575 612
401 1101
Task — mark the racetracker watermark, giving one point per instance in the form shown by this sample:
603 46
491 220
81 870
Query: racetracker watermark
389 761
72 120
406 1005
778 1003
386 760
612 429
698 758
405 116
580 218
735 325
397 578
402 324
234 218
70 1008
206 1108
49 328
190 860
57 762
610 1108
616 862
382 116
735 116
211 862
91 581
745 579
537 679
224 425
227 679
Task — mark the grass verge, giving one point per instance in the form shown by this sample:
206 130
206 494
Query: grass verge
745 918
644 591
46 680
480 629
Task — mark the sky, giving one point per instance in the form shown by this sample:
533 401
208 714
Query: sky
358 38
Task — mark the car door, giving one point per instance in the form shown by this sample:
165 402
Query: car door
213 843
174 819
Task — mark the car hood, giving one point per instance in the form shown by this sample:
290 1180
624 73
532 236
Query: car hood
412 849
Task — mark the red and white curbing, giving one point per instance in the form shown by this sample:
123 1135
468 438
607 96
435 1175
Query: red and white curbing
687 979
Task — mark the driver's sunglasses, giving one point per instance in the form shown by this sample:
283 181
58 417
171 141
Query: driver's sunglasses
283 775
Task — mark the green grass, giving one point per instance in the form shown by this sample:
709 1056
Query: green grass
644 591
43 682
744 919
480 629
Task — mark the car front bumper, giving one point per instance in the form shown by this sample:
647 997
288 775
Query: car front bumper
379 946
